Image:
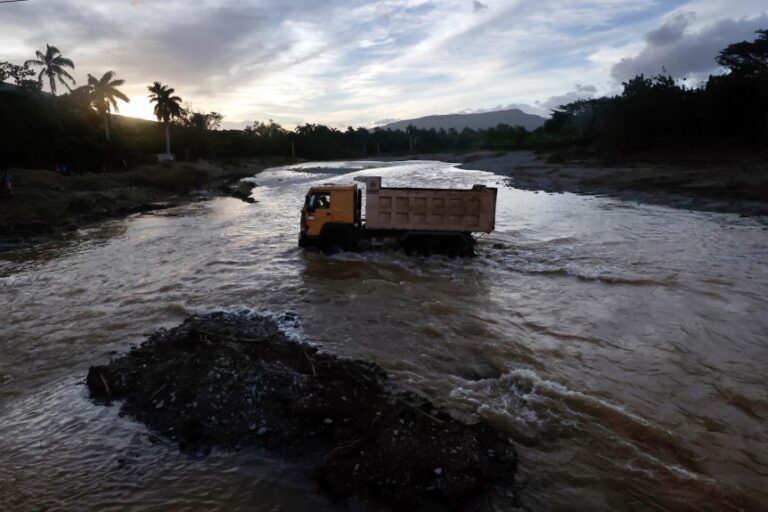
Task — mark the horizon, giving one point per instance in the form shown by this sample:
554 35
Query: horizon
352 63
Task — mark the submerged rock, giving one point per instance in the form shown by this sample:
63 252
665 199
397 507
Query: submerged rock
239 190
237 380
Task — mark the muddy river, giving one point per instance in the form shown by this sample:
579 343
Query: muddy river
623 346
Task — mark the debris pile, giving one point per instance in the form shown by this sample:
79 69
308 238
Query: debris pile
235 380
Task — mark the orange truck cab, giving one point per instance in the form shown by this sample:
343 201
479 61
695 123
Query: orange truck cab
330 213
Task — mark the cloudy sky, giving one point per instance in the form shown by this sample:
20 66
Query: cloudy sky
354 62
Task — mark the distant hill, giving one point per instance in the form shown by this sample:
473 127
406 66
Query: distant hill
481 121
132 122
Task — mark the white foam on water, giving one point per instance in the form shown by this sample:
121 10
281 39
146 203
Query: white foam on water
658 464
505 401
289 322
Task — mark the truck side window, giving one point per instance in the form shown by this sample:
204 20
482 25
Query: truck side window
319 200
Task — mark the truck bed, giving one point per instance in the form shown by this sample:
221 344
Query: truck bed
430 209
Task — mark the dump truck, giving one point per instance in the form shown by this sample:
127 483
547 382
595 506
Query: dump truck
420 221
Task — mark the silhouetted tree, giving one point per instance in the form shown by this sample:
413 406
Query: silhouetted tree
269 130
52 64
167 108
5 71
103 94
747 58
750 60
411 131
203 122
22 75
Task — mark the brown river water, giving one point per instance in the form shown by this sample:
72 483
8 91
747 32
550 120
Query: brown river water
622 346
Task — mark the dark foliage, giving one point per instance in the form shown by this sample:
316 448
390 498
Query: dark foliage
22 75
658 113
40 130
747 58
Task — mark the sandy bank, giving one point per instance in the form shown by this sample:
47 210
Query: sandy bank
732 185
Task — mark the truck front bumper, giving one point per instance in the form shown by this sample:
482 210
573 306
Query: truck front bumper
308 241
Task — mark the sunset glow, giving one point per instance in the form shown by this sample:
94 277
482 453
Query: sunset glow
356 63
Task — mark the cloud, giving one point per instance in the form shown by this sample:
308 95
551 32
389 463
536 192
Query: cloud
670 31
580 92
685 53
524 107
353 62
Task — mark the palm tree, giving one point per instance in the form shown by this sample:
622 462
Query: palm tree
167 107
52 64
103 95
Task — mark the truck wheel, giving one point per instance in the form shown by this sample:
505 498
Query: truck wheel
416 250
451 251
329 249
335 239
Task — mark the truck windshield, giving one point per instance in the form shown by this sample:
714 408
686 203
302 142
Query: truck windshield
318 200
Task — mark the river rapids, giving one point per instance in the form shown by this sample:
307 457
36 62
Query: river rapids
622 346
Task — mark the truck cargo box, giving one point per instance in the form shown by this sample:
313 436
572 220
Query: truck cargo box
429 209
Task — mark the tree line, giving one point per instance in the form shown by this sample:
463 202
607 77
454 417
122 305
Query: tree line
661 113
39 129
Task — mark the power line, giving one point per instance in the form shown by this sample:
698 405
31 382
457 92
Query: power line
11 1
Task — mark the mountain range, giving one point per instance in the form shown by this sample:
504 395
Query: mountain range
479 121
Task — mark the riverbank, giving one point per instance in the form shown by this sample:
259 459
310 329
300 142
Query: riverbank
735 183
45 203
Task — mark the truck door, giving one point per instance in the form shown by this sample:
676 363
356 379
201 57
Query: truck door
317 211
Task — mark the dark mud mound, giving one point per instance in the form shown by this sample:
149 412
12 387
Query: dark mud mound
236 380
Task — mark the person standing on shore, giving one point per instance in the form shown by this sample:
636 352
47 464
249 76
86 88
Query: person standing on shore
7 183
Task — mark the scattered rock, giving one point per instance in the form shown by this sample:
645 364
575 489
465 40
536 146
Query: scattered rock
240 190
236 380
147 207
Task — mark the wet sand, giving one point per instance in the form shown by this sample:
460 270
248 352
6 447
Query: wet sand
736 185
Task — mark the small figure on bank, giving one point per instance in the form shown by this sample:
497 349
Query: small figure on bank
7 183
